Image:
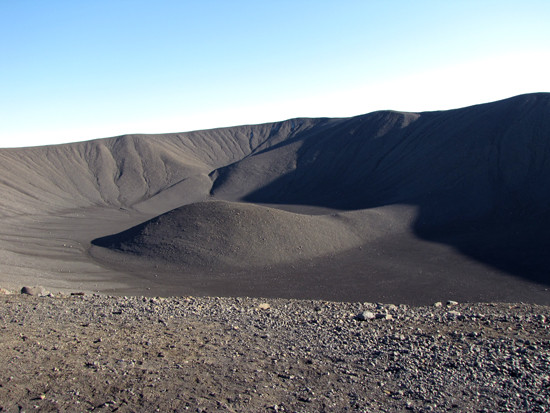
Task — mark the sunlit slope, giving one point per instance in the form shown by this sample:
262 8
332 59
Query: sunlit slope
220 234
224 233
154 173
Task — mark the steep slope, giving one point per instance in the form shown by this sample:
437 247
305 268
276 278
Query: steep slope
480 162
152 173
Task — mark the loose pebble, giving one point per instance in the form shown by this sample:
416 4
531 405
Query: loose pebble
84 353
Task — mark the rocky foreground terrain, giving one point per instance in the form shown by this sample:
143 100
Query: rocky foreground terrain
84 353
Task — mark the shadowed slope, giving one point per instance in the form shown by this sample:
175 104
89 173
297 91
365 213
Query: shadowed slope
479 176
485 161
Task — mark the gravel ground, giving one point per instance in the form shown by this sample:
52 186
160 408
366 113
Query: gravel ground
84 353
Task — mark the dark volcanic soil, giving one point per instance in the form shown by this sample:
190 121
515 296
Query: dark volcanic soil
387 206
137 354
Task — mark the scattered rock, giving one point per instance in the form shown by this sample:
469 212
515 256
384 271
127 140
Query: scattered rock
38 291
438 304
451 303
365 315
264 306
231 357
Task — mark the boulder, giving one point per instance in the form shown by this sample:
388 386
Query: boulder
37 290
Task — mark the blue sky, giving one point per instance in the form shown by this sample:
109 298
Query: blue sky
80 70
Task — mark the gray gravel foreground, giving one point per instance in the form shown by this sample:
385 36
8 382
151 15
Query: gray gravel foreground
138 354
